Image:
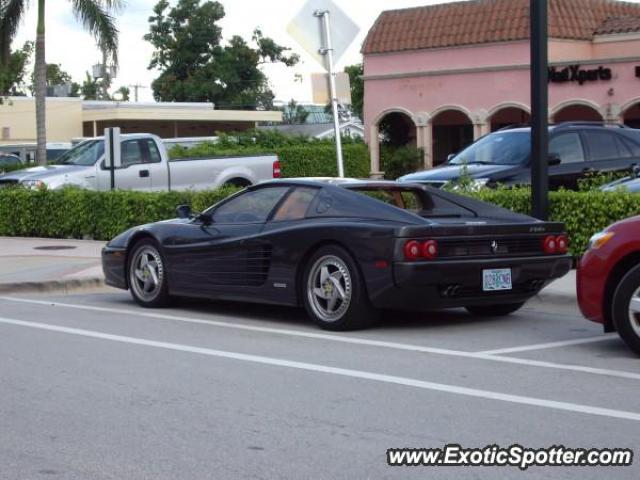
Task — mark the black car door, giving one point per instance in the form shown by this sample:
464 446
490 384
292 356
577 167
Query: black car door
569 148
607 152
229 256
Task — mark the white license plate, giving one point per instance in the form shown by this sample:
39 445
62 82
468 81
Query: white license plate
496 279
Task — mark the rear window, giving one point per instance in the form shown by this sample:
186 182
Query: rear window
423 203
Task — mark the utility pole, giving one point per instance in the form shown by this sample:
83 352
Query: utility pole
539 111
135 90
327 50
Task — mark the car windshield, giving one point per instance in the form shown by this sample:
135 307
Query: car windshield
85 154
499 148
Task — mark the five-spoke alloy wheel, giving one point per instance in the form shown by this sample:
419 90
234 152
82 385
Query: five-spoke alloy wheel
333 291
147 275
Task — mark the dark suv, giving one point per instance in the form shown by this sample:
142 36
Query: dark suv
504 157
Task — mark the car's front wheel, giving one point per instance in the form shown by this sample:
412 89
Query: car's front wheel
626 309
334 295
494 310
147 275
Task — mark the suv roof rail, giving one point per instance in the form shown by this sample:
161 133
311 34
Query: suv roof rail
596 123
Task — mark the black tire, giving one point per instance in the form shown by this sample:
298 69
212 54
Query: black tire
626 323
351 306
140 276
237 182
494 310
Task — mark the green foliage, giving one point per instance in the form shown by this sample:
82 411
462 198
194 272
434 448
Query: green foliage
13 71
399 161
90 88
294 114
56 76
356 83
196 67
583 213
593 181
74 213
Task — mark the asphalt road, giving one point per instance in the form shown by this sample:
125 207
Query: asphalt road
93 387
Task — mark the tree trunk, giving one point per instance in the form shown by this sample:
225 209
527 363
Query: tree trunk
41 89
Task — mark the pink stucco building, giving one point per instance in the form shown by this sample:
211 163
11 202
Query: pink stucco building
441 76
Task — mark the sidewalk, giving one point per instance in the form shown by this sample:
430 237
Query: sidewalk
36 264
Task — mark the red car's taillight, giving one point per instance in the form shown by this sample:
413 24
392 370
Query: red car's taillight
276 169
549 245
414 250
562 244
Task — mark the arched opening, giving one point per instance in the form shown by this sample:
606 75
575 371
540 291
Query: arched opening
577 113
509 116
397 130
631 116
452 131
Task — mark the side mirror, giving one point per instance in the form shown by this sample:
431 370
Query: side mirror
183 211
554 159
636 171
450 156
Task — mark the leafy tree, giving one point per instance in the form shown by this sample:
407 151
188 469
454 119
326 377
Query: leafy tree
90 88
57 76
196 67
13 71
355 73
294 114
124 94
95 15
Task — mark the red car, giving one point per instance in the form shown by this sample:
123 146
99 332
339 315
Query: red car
609 280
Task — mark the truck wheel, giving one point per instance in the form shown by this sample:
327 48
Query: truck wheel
494 310
147 275
237 182
334 293
626 309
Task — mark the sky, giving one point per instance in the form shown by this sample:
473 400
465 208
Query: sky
68 44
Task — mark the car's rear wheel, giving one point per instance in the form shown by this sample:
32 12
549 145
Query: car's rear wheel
147 275
494 310
626 309
335 296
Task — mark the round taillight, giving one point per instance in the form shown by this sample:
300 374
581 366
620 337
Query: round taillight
549 244
430 249
562 244
412 250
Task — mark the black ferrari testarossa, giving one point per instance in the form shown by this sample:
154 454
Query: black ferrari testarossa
343 249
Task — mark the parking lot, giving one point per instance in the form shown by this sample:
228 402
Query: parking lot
223 390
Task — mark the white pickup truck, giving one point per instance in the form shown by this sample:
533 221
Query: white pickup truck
145 166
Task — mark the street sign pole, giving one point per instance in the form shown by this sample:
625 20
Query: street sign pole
539 111
327 50
112 153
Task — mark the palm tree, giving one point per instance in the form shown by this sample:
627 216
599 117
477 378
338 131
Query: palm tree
95 15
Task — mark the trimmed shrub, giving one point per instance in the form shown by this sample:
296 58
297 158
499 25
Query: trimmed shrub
583 213
400 161
73 213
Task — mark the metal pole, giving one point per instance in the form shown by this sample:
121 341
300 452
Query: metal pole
539 111
112 167
328 51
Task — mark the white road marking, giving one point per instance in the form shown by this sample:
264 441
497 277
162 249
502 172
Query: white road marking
344 372
542 346
336 338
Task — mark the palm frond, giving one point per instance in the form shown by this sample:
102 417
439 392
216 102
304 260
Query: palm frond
11 13
97 16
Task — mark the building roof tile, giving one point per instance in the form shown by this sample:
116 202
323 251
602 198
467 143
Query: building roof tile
487 21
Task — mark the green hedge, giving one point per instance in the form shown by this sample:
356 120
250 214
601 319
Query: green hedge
583 213
73 213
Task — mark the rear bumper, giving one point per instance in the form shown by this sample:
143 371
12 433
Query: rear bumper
114 267
458 283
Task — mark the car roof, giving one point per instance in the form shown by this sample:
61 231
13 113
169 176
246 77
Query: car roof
348 183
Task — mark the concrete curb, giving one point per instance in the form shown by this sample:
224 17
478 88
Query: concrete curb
52 285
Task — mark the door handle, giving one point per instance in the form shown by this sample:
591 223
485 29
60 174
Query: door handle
144 173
